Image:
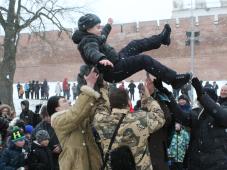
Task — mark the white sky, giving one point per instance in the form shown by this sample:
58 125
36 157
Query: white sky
122 11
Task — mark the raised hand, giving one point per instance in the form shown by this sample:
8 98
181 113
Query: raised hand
91 78
198 86
158 85
106 62
110 21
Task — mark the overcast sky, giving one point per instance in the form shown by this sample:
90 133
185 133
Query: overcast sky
130 10
122 11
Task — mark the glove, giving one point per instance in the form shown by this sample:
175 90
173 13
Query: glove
198 87
158 85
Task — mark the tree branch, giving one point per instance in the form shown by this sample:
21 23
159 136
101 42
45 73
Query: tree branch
2 21
33 18
3 9
49 14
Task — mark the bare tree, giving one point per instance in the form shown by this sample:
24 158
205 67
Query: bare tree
16 15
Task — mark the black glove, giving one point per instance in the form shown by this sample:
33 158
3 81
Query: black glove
198 87
158 85
101 68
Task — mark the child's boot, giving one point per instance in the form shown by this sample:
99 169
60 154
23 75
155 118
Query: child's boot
165 34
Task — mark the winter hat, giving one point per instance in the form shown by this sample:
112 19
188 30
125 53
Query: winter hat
88 21
211 92
5 106
184 97
26 104
28 129
17 134
52 104
42 135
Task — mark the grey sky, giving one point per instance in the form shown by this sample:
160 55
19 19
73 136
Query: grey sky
122 11
132 10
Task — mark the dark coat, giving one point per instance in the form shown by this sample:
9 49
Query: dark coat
131 87
12 158
36 87
27 115
159 141
53 138
40 158
94 48
223 102
208 143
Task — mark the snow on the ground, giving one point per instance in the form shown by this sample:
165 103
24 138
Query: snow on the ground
33 102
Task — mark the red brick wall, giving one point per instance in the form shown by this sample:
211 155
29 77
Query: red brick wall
57 57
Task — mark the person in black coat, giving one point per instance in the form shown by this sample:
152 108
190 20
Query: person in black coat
119 66
36 89
54 144
132 87
40 157
26 115
13 158
208 144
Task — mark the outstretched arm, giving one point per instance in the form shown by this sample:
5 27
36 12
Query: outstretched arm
69 120
155 115
216 111
184 118
107 28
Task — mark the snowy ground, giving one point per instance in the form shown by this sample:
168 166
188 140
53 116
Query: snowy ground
33 103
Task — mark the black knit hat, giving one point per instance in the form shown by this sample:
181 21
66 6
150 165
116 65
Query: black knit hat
184 97
52 104
42 135
88 21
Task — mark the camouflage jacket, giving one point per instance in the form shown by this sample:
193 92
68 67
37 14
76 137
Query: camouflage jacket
133 131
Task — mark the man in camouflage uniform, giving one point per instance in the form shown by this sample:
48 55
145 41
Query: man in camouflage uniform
135 128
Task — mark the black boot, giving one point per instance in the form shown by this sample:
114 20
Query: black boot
165 34
180 80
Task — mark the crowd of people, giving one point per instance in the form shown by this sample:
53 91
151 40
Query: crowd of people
101 130
41 90
33 90
159 132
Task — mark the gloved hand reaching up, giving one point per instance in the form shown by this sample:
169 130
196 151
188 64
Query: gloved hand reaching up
158 85
198 87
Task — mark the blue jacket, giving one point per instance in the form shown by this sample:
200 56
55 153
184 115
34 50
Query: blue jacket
12 158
